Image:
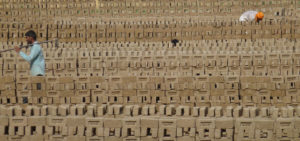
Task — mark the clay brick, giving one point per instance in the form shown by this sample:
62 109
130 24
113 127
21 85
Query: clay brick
167 128
94 127
205 128
244 128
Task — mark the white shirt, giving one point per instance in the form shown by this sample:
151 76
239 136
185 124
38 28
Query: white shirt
36 60
248 16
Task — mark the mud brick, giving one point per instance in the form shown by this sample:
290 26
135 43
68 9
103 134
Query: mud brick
172 97
202 83
35 136
98 82
51 110
143 96
187 97
23 83
130 96
85 93
52 93
167 128
63 110
152 110
115 83
143 83
130 82
82 83
274 112
98 96
186 127
101 109
195 111
211 112
158 97
264 112
145 110
286 70
7 83
35 125
75 138
17 126
297 113
115 96
253 112
75 125
3 123
232 82
170 110
218 111
245 128
203 111
94 127
149 127
264 128
284 128
55 121
91 110
66 83
237 111
162 110
224 129
205 128
136 110
128 110
117 109
112 127
131 127
296 128
229 111
38 83
39 93
183 111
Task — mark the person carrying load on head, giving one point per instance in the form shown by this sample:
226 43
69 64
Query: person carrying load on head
36 57
251 16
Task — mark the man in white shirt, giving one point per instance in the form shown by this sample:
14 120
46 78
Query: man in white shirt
251 16
36 57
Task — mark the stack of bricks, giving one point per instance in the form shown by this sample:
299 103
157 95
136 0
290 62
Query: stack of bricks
117 76
91 122
260 91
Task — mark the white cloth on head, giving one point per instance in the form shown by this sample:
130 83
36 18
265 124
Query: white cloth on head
248 16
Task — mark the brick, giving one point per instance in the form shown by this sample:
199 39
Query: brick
56 121
229 111
36 121
245 128
101 110
167 128
284 128
131 127
185 127
205 128
94 127
203 111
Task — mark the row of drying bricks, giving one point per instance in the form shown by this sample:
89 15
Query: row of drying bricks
105 110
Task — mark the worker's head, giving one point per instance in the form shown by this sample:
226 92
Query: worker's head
259 16
30 36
